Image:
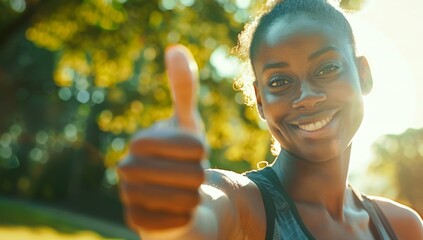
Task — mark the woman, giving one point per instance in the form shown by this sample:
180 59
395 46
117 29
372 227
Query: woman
308 84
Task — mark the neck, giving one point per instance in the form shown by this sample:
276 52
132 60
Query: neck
322 184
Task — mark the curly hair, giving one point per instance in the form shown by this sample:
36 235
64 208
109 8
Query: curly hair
250 38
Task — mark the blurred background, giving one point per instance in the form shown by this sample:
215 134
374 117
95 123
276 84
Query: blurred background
78 78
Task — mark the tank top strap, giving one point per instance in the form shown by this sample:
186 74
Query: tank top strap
269 206
283 220
377 217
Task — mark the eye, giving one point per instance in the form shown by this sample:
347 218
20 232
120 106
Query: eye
331 68
278 81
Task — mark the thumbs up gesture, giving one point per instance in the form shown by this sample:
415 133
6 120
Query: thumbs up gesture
161 175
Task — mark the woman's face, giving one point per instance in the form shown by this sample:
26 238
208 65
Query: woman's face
308 87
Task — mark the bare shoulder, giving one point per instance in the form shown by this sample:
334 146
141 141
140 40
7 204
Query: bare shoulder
227 180
245 197
240 189
406 223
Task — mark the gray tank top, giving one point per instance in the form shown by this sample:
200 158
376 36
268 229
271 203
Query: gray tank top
283 219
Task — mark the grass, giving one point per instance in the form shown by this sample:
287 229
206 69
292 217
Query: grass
25 220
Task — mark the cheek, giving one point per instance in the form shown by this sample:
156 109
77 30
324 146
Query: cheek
270 98
345 91
275 106
349 95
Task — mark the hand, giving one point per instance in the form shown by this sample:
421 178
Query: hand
161 175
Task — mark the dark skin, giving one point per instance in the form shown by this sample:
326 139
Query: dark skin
309 91
313 79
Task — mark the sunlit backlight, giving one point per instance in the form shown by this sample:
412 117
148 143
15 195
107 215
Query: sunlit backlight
81 83
150 54
226 65
41 137
5 152
5 139
168 4
83 96
188 3
410 152
64 76
8 160
15 130
118 124
210 43
104 120
229 7
118 144
173 37
111 176
65 94
97 96
241 16
18 5
137 107
390 107
38 155
243 3
71 132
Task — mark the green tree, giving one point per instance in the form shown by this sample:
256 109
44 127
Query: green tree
398 163
79 77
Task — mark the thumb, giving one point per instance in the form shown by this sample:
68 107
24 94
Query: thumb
183 79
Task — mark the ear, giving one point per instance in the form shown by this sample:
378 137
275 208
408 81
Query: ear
258 100
365 74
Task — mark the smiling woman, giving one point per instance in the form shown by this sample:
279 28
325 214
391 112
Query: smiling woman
308 82
306 78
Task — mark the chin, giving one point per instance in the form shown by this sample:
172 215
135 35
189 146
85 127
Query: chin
318 153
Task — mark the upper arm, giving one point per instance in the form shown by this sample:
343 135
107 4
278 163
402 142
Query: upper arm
239 211
406 223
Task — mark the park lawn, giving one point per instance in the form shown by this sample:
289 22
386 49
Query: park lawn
21 220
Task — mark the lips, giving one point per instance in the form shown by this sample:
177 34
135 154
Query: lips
310 127
315 122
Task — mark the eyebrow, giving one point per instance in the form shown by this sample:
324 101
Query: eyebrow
322 51
274 65
311 57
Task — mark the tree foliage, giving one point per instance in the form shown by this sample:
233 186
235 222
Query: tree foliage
399 163
79 77
110 53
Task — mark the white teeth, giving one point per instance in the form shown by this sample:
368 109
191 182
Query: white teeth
316 125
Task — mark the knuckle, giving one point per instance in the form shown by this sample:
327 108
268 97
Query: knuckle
178 145
167 199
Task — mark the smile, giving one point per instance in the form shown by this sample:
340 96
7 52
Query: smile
310 127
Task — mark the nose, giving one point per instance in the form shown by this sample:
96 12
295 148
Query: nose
309 97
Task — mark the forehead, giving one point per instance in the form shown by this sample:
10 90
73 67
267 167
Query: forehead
305 32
